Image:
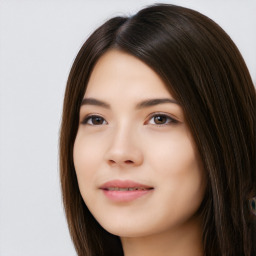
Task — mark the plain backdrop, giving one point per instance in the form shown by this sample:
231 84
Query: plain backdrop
38 43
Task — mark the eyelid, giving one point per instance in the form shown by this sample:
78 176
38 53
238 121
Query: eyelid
170 117
87 117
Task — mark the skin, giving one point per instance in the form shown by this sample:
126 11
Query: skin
127 142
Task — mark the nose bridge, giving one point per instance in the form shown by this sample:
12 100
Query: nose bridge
124 147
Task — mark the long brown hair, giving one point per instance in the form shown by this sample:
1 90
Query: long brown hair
205 72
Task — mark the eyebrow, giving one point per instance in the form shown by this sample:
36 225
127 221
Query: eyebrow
153 102
94 102
143 104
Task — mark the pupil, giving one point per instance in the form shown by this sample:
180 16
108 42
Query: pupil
160 119
253 204
97 120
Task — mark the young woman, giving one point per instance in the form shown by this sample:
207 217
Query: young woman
157 143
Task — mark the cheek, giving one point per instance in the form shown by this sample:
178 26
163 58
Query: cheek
178 170
81 156
174 154
87 152
182 169
86 157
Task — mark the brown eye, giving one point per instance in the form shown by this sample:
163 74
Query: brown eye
95 120
160 119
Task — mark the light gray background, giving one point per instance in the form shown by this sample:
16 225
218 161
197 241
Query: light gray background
38 43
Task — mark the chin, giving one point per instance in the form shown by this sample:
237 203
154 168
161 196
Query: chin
129 232
125 229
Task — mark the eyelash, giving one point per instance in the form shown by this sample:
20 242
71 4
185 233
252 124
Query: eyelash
87 118
169 119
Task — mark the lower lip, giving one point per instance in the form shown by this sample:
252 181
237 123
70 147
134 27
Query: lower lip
125 196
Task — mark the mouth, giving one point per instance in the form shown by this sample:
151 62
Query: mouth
124 191
124 185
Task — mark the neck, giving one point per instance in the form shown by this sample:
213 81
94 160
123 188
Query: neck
185 240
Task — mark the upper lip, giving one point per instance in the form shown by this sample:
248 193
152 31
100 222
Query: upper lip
124 184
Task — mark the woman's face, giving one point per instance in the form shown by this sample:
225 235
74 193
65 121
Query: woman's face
137 168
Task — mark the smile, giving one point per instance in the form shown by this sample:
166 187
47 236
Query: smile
124 190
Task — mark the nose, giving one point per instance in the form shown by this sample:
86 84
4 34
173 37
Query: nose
124 149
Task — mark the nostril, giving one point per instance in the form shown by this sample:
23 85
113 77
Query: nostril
111 161
128 161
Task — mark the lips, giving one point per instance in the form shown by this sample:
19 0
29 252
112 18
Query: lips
124 191
124 184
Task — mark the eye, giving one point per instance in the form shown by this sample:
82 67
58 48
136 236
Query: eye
94 120
161 119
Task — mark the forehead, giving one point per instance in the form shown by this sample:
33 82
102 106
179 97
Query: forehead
122 74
